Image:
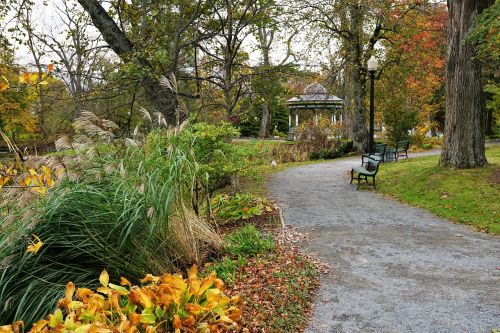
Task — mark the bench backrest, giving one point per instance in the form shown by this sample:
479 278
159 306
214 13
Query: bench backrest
380 148
372 164
403 145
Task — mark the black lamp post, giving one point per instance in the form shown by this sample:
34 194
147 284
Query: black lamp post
372 68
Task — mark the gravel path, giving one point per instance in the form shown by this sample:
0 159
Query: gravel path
394 268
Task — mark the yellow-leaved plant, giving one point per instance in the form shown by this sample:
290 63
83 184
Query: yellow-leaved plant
37 180
167 303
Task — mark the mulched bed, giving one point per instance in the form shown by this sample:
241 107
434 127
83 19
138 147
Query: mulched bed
277 288
266 221
277 291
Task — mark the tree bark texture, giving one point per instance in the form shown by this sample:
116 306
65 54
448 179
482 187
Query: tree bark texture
265 40
265 121
465 103
355 91
161 98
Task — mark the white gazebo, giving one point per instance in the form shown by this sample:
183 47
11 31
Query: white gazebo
315 98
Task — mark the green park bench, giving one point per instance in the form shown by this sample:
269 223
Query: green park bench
401 150
369 168
379 152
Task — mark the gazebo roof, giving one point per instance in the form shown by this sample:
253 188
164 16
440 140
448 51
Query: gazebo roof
315 97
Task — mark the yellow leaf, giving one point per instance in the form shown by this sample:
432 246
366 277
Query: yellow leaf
56 318
137 296
226 319
39 326
190 322
84 328
104 278
24 78
4 180
84 294
75 305
34 246
150 278
176 281
33 78
40 189
125 282
70 290
50 182
192 272
218 283
194 309
6 328
177 322
45 170
3 87
207 283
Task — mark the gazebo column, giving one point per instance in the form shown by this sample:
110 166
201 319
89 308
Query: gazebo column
315 117
296 119
334 117
289 121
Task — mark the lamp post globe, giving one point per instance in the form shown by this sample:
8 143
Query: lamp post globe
372 66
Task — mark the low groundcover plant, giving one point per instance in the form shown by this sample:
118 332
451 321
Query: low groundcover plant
167 303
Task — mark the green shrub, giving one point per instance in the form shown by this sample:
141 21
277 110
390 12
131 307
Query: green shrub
217 160
344 149
399 122
239 206
248 241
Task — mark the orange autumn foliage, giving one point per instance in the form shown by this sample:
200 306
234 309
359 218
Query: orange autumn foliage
167 303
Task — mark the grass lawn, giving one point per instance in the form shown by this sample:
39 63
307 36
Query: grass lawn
469 196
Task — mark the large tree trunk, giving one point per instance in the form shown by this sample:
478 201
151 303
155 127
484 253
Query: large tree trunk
265 40
161 98
265 121
465 103
357 82
358 122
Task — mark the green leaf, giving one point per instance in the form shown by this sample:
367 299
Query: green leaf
122 290
56 319
160 313
148 317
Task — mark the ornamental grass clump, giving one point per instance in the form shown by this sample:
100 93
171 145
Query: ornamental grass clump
124 212
166 303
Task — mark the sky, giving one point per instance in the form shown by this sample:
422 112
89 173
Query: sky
47 19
